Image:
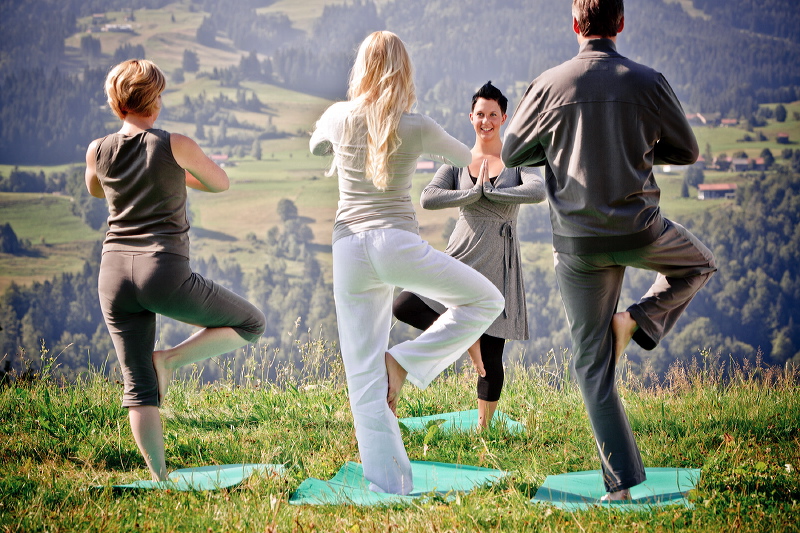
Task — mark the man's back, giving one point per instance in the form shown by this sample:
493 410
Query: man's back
600 122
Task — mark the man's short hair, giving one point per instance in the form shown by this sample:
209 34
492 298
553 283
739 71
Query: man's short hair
598 17
490 92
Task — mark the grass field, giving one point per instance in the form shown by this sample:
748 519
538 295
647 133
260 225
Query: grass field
57 441
60 241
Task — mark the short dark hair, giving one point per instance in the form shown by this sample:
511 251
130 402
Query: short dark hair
598 17
490 92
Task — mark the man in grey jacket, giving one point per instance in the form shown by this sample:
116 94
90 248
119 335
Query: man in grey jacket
599 122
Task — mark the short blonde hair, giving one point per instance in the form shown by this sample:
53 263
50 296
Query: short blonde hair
382 86
134 86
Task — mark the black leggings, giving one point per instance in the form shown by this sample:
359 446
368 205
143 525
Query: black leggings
409 308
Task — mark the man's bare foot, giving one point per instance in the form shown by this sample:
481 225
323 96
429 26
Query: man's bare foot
474 352
397 376
623 327
617 496
163 374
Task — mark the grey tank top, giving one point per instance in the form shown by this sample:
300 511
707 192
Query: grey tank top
146 193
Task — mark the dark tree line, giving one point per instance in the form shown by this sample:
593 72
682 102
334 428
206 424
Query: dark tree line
248 29
770 17
49 118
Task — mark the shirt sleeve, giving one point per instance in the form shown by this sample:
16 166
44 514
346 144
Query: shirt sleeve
443 191
677 144
321 143
522 146
442 146
531 189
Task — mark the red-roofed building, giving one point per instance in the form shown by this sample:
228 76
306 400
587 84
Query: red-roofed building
782 138
707 191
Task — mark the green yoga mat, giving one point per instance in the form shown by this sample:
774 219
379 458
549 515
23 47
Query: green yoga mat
582 490
212 477
348 486
459 421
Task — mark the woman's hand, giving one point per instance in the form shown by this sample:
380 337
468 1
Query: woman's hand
483 173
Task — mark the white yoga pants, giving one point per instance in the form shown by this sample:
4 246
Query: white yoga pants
367 267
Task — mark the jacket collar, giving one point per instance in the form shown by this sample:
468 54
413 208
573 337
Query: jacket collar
598 46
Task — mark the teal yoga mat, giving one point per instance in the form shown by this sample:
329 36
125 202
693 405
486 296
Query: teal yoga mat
348 486
460 421
212 477
582 490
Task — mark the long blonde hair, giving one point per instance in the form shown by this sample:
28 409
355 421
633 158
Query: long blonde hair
382 89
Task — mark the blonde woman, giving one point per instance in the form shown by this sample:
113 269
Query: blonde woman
375 141
143 172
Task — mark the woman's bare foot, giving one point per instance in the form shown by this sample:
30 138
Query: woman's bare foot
617 496
485 413
397 376
474 352
623 327
163 374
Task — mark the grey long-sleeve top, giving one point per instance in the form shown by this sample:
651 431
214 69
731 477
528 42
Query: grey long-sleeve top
485 235
600 122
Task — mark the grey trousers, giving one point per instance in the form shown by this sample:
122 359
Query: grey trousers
135 286
590 287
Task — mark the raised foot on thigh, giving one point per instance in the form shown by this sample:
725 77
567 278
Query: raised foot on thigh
474 352
397 376
623 327
163 374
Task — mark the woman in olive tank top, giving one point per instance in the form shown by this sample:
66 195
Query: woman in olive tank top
143 173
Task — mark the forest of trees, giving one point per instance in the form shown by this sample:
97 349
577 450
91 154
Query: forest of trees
752 305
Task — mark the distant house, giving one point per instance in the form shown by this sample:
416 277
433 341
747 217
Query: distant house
740 164
118 28
426 166
708 191
723 164
782 138
759 164
696 119
700 163
220 159
729 122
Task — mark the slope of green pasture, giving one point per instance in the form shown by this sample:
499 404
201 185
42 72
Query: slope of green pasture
60 241
724 140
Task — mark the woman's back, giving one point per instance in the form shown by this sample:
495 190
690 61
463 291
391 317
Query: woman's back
362 206
146 192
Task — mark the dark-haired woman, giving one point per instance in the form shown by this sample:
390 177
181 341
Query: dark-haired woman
488 196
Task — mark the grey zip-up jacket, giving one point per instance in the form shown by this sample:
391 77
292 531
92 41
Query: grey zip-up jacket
599 122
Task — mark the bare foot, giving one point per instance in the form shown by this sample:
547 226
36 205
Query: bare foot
474 352
485 413
163 375
617 496
397 376
622 326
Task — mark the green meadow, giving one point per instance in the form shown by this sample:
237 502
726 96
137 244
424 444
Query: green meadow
59 442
